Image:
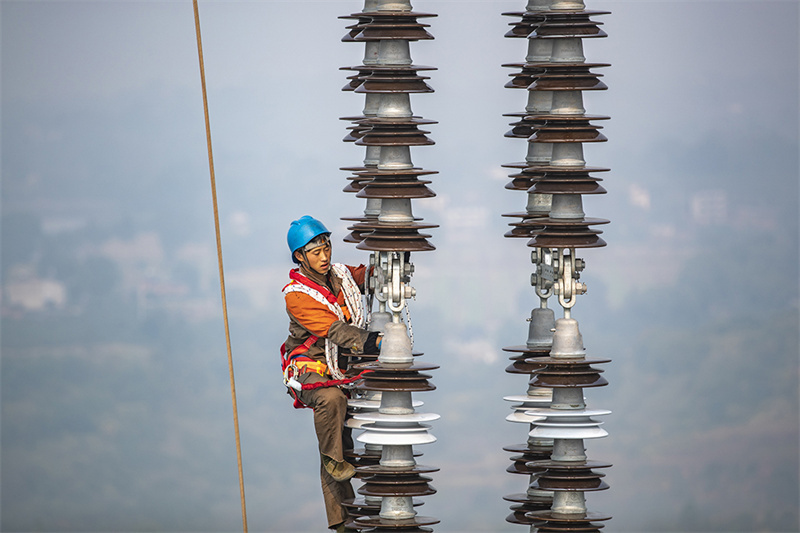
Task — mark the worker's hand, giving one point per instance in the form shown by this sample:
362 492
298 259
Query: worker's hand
372 345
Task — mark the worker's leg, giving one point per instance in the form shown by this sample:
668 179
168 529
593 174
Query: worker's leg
334 493
330 408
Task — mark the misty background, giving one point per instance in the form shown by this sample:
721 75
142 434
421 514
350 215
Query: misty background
116 407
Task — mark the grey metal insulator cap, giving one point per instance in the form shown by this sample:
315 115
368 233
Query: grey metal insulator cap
540 331
567 340
396 345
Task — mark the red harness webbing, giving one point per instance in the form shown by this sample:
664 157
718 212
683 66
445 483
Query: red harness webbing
297 276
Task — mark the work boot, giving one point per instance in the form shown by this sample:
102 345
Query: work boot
339 471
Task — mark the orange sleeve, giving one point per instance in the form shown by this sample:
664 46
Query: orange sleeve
311 314
358 273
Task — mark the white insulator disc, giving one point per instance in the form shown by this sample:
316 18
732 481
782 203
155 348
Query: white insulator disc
523 417
353 424
564 413
547 398
575 423
395 436
561 432
360 403
397 419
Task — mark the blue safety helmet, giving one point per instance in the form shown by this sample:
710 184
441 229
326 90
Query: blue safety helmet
302 231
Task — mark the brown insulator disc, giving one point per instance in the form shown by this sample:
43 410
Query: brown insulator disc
525 229
573 13
387 69
519 513
386 228
541 452
385 377
587 516
392 530
587 481
582 376
355 132
528 351
408 189
520 30
356 28
523 464
357 169
528 23
412 486
384 82
395 135
576 240
406 525
523 497
411 31
377 384
353 237
396 470
567 133
524 360
405 181
559 117
556 169
355 184
395 122
400 241
567 78
362 71
530 456
572 465
527 74
400 173
522 129
522 181
562 361
362 457
391 15
568 233
357 231
527 15
565 174
519 184
573 24
359 507
525 215
550 527
574 185
522 367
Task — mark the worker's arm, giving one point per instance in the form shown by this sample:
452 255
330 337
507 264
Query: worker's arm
320 321
358 274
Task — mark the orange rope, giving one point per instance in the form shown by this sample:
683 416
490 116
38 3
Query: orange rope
221 270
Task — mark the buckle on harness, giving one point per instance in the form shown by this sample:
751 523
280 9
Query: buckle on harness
298 368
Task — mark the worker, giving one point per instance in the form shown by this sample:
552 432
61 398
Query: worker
326 315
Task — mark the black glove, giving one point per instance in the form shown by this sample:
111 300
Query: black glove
371 344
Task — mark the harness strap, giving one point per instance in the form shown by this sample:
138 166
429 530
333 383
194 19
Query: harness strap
335 382
297 276
303 348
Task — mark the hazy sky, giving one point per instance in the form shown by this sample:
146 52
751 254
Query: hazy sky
103 98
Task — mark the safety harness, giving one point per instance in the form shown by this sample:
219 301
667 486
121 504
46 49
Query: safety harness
295 363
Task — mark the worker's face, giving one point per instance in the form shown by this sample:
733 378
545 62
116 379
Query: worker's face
319 258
